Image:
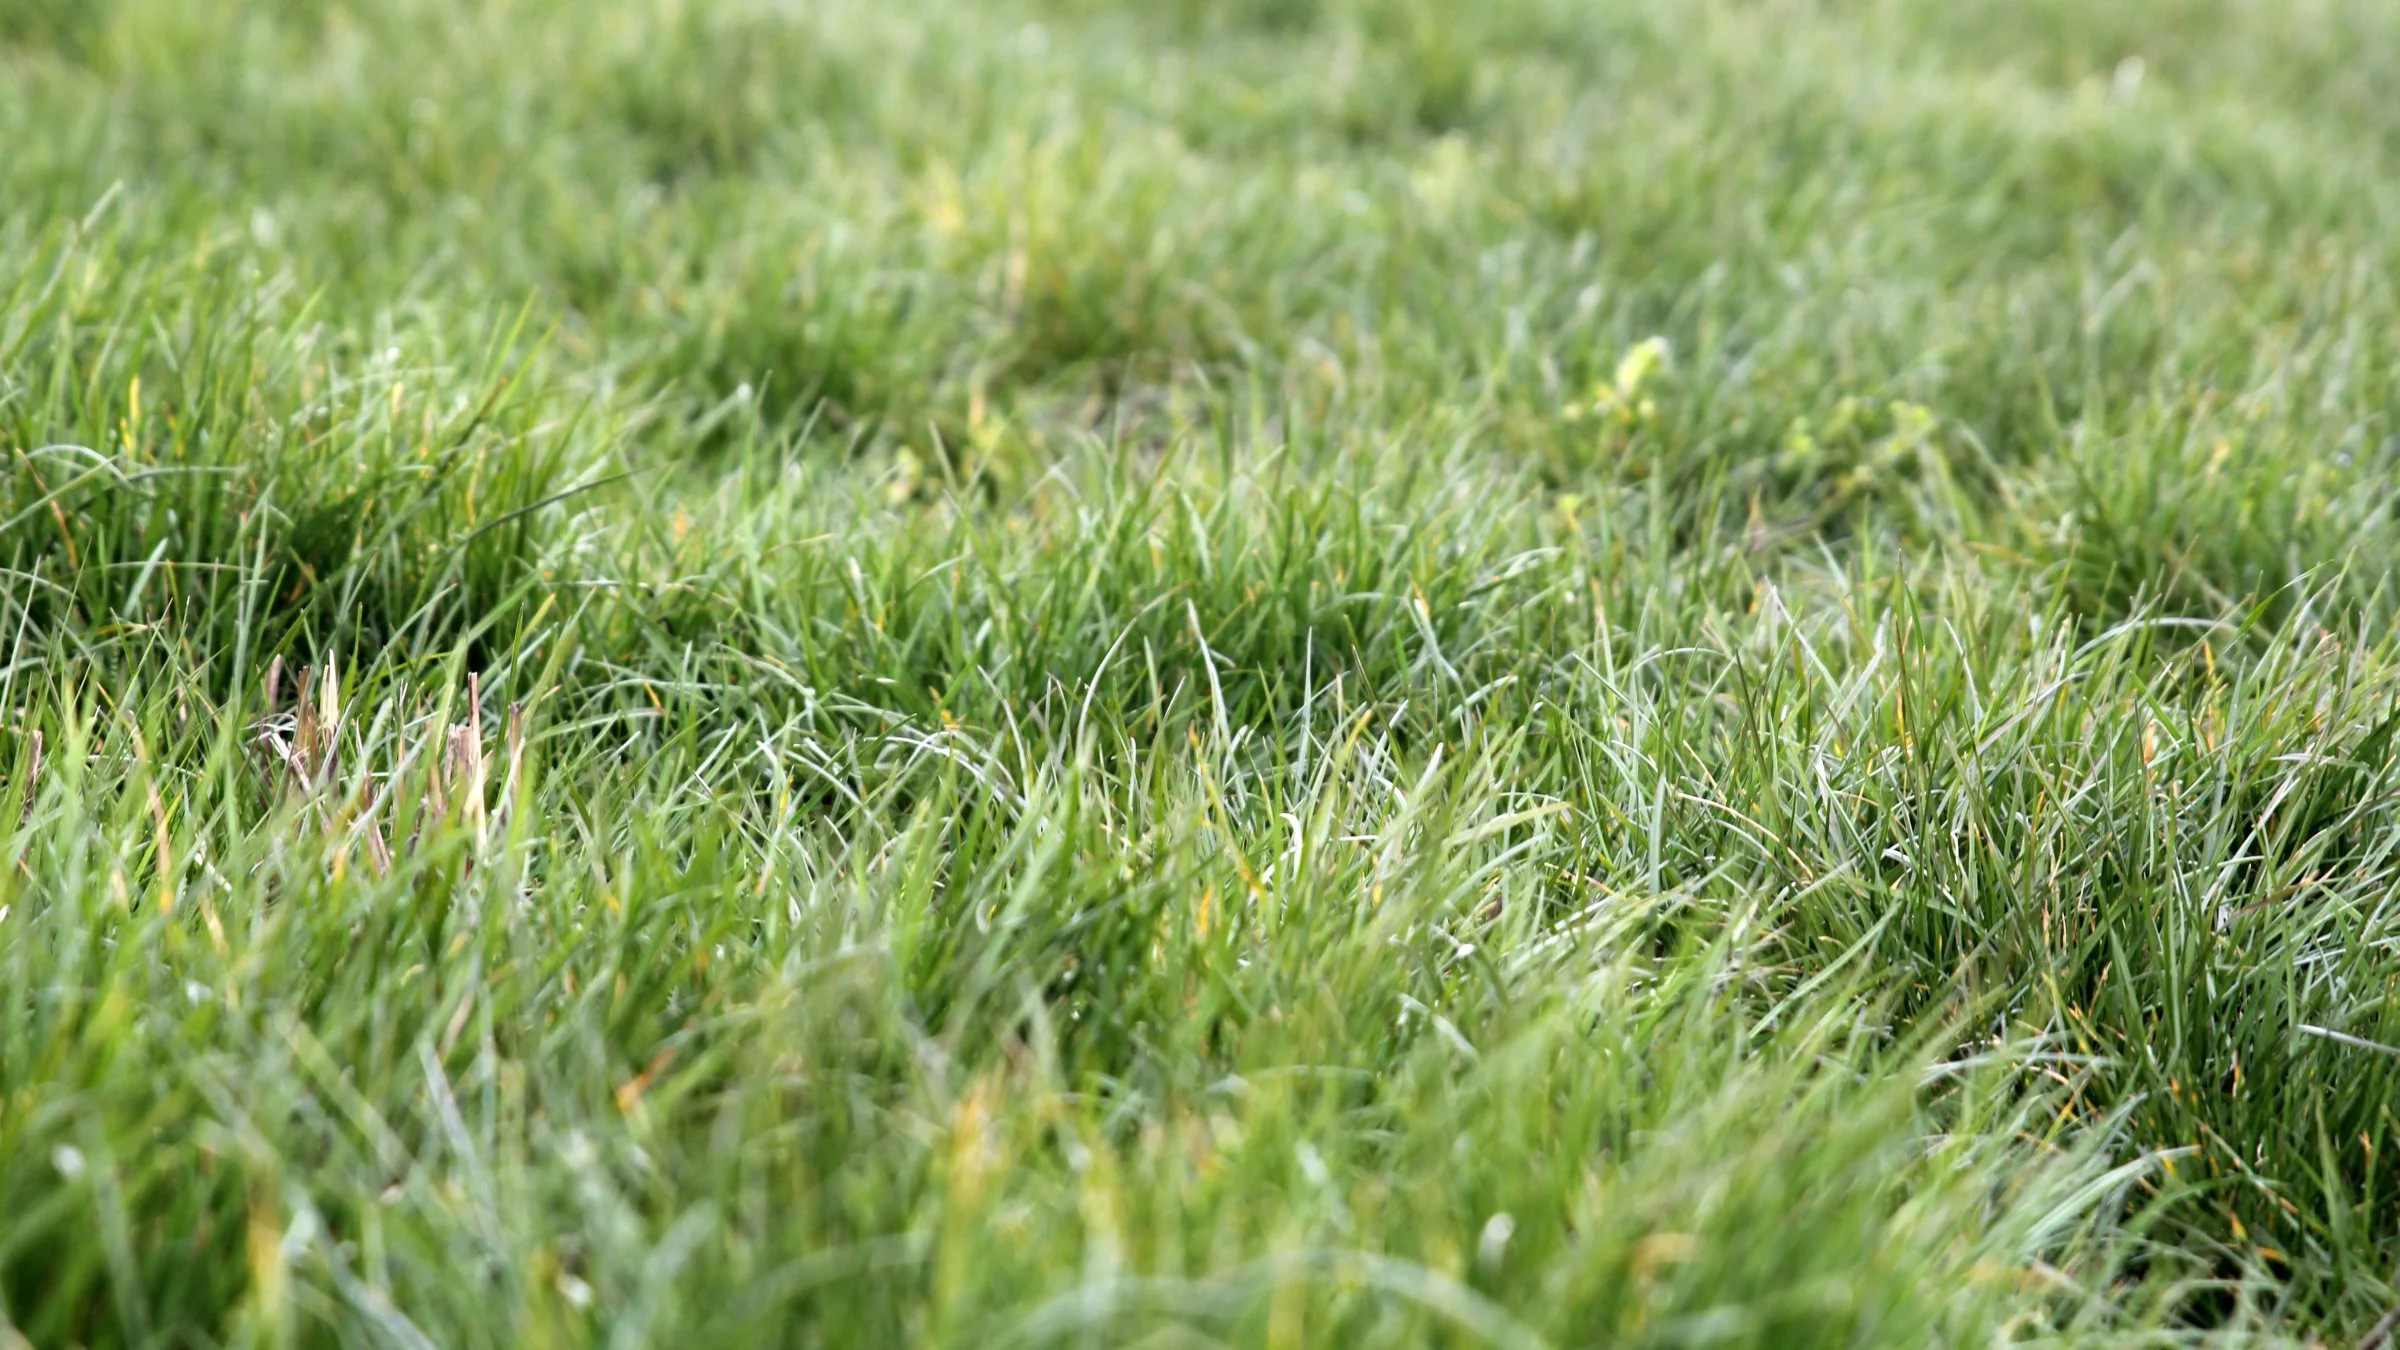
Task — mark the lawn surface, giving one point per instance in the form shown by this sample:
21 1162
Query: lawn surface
1252 672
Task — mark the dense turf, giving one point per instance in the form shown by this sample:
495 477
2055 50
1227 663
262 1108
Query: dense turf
1283 672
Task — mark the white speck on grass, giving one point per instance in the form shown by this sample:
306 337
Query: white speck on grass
577 1151
68 1160
1497 1230
2127 81
1312 1163
574 1291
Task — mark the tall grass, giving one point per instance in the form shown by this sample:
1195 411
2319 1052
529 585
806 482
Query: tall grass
1287 672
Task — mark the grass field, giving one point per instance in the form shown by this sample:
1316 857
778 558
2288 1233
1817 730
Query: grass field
1251 672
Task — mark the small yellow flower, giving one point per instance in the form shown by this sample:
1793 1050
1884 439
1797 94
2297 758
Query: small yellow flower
1619 401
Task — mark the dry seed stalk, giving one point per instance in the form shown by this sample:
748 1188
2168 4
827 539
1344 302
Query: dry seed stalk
457 771
33 774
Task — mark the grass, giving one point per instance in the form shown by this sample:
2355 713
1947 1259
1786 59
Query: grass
1270 672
